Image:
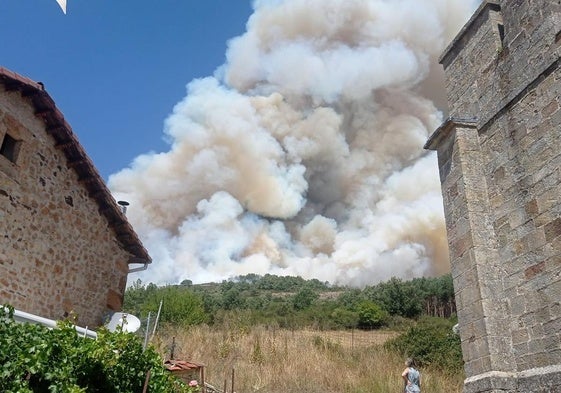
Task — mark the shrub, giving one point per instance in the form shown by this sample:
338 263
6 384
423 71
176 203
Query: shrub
37 359
370 315
432 343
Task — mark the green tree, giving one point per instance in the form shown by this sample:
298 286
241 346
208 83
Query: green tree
343 318
304 298
180 305
232 298
371 315
397 298
350 298
135 297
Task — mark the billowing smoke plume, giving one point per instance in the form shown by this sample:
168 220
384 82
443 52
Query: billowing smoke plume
303 154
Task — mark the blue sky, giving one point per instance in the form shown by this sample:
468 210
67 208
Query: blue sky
116 68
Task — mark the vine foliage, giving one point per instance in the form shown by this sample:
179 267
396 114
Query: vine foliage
35 359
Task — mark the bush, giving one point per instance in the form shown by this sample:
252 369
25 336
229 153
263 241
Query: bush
432 343
37 359
371 316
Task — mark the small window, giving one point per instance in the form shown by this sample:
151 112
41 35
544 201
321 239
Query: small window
9 148
501 32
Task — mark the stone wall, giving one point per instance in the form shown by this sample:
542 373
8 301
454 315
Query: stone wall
500 159
58 255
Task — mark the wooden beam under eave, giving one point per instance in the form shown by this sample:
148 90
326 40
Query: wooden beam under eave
125 238
105 211
54 129
28 92
73 164
43 113
86 179
62 146
118 224
11 86
96 194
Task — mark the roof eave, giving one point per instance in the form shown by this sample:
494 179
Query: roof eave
77 159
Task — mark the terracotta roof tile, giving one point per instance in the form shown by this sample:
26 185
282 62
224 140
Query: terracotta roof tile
179 365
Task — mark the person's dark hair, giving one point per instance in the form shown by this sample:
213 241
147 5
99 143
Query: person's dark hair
410 362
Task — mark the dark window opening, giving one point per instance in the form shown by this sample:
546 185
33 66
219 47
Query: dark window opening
9 148
501 32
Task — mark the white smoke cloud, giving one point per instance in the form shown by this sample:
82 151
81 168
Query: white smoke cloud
303 154
62 4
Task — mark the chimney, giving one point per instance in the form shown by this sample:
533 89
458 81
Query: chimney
123 205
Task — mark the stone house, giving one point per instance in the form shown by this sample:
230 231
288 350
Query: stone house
499 156
65 245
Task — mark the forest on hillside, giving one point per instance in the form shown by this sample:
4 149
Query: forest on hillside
293 302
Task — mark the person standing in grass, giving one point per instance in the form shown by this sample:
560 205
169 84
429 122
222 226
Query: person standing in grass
412 377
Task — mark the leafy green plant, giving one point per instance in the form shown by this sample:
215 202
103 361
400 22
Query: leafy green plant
304 298
257 355
432 343
370 315
36 359
397 297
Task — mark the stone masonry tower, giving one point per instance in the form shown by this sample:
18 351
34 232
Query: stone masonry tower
499 156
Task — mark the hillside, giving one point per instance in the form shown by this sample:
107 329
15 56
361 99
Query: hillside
292 302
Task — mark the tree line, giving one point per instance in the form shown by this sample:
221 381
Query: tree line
293 302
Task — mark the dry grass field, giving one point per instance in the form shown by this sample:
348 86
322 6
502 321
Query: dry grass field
282 361
347 339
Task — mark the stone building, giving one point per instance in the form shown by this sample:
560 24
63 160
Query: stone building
65 244
499 156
